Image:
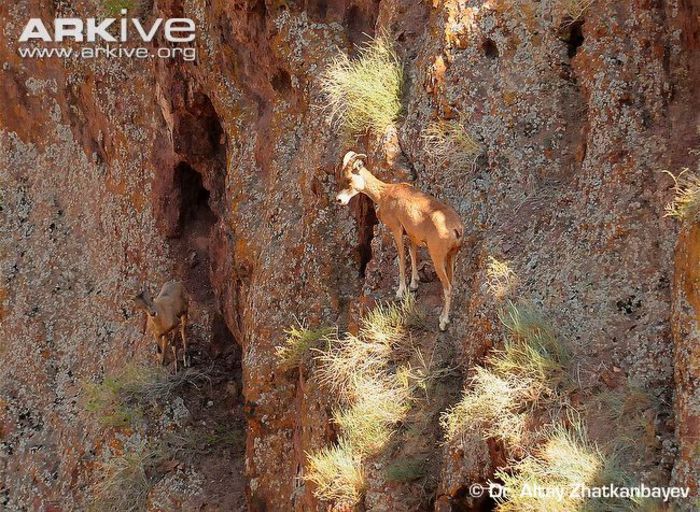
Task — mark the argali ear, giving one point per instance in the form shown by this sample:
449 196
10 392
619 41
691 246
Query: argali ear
359 162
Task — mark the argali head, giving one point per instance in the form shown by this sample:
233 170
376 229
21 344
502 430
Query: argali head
352 179
144 301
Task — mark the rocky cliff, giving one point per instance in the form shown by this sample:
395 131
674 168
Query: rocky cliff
119 174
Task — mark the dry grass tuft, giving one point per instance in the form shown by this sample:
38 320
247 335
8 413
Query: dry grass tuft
375 397
120 400
369 423
491 406
567 459
124 481
421 375
365 93
628 418
298 344
686 203
525 374
347 360
574 10
450 143
337 473
386 323
501 279
531 350
350 359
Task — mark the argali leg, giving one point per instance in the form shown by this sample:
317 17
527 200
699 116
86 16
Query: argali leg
413 252
398 237
162 345
173 347
185 356
450 266
440 263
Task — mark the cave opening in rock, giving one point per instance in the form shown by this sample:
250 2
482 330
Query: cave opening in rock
195 222
490 49
574 38
194 199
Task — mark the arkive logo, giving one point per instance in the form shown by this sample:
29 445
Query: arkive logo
107 38
175 30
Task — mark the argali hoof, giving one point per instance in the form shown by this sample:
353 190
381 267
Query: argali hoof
413 287
400 293
444 322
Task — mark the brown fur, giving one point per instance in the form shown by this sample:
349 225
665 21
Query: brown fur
405 209
163 314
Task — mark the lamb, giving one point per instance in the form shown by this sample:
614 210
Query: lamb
165 313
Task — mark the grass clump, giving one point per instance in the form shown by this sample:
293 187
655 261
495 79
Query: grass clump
347 360
120 400
626 419
566 460
531 349
574 10
685 204
525 374
338 474
298 343
134 8
423 374
491 406
375 397
125 480
406 469
449 142
365 93
351 359
501 278
368 423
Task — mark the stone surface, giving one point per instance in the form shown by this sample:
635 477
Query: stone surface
118 174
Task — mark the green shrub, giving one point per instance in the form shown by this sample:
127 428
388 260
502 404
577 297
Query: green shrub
365 93
406 470
298 343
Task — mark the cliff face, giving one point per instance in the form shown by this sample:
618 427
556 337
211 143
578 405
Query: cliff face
118 174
